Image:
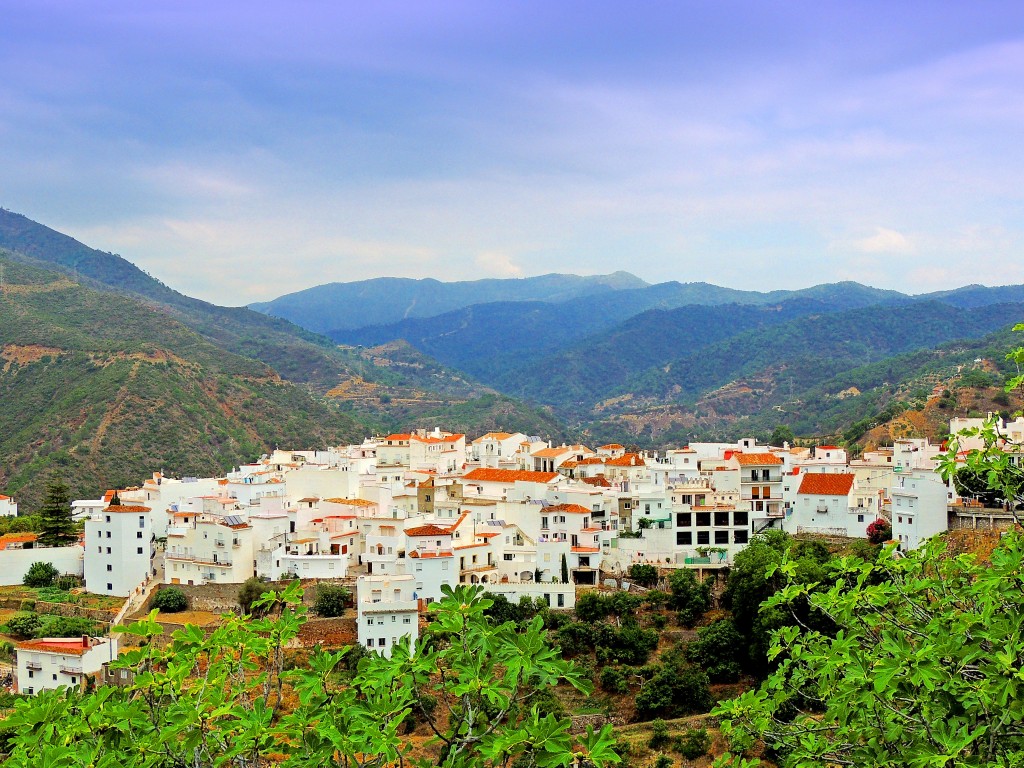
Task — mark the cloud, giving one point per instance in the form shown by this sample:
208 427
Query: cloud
884 241
498 264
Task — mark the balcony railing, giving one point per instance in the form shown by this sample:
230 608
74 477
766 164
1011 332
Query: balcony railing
387 606
70 670
33 665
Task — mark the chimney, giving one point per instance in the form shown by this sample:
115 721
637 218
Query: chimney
85 641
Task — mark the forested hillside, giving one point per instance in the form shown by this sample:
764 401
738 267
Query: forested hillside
99 388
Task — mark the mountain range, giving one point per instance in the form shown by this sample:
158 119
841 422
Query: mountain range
107 374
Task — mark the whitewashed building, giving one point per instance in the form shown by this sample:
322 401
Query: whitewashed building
386 611
119 549
56 662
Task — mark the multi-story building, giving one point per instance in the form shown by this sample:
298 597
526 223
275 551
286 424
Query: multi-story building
55 662
760 483
386 611
119 549
209 548
826 502
919 506
8 506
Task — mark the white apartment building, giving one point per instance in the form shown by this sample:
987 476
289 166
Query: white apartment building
826 502
208 548
496 449
919 507
119 549
386 611
55 662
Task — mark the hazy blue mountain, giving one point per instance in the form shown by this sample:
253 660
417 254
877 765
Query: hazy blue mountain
390 299
978 295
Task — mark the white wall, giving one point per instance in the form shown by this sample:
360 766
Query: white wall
14 563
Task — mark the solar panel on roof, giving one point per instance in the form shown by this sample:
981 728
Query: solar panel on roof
233 520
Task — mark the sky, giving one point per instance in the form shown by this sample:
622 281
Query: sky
242 150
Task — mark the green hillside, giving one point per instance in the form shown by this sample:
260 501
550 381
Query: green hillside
102 389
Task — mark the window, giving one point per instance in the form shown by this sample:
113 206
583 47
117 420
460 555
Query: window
561 600
406 620
721 537
703 519
382 642
31 674
138 550
142 521
110 567
739 537
138 535
739 518
684 519
108 534
110 587
703 537
860 518
108 550
369 643
54 675
721 518
507 557
108 518
684 538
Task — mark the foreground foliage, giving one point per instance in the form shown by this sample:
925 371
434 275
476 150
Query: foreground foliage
227 700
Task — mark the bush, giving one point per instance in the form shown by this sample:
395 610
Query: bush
251 591
592 607
331 600
717 650
644 575
66 626
693 744
23 625
613 680
663 761
674 690
659 734
67 582
689 597
879 532
170 600
40 575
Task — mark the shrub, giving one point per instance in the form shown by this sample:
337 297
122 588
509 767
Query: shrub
66 626
694 743
170 600
40 574
675 690
644 575
717 650
331 600
23 625
663 761
592 607
690 598
879 532
251 591
66 582
613 681
659 734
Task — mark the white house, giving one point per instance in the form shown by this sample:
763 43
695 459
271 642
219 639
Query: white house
119 549
53 662
8 506
826 503
18 551
919 506
386 611
209 548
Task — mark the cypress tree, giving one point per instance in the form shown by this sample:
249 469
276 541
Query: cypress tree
57 529
565 571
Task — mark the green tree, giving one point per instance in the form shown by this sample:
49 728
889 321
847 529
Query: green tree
249 595
56 528
40 574
565 570
689 597
782 434
170 600
218 699
65 626
676 689
331 600
718 650
644 575
23 625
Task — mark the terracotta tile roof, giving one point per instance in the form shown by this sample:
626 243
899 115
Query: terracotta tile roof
488 534
445 439
600 481
510 476
756 459
127 508
551 453
470 546
611 447
4 498
17 538
428 530
627 460
493 436
426 555
309 500
397 437
353 502
67 646
586 549
575 509
826 483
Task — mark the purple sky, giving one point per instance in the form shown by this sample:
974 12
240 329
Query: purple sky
239 151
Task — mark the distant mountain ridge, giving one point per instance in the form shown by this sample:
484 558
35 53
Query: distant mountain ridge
390 299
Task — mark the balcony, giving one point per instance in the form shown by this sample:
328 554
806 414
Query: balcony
70 670
33 665
389 606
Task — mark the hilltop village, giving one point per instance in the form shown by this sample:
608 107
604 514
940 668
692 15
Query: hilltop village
398 517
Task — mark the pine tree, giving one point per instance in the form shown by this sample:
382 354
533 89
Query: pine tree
57 529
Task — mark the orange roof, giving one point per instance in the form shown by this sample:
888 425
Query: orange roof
552 453
510 476
627 460
576 509
428 530
353 502
4 498
826 483
494 436
17 538
470 546
487 534
425 555
308 500
756 459
611 446
129 508
598 481
585 549
66 646
445 439
397 437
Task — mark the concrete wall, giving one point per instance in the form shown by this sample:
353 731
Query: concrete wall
14 563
